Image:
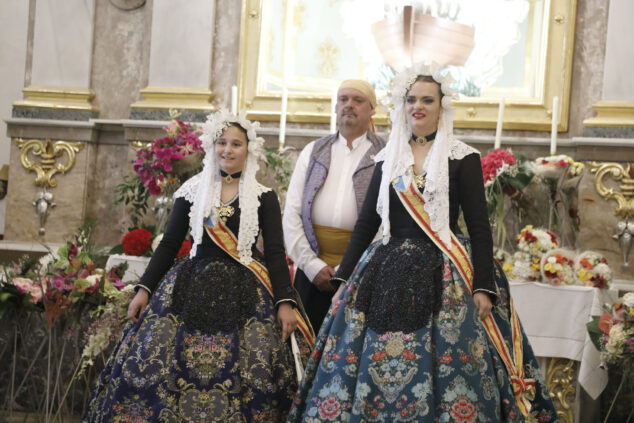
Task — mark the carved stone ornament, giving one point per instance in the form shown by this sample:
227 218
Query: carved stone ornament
48 153
127 4
624 174
560 380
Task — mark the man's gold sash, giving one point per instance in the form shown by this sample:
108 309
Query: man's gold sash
332 243
225 239
523 389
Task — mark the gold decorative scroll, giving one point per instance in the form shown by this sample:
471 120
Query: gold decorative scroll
48 152
560 381
141 145
619 172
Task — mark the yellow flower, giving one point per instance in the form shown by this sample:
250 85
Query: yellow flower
583 275
508 268
395 347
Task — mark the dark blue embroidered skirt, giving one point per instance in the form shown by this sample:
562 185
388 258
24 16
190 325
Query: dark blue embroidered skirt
165 370
440 369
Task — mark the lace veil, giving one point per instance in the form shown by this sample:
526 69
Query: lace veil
397 155
203 189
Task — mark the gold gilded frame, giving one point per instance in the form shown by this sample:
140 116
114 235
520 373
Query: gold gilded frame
519 113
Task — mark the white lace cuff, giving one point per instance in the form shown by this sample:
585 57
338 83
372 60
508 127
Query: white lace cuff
485 290
286 300
143 287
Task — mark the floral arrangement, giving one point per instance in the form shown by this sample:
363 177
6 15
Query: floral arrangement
558 267
592 270
613 335
617 327
501 255
536 241
523 266
552 167
575 169
137 242
562 175
155 165
532 244
20 286
108 321
75 282
504 174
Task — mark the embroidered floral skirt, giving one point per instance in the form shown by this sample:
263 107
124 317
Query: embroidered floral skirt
444 370
165 371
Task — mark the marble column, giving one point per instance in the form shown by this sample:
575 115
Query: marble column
50 126
59 86
14 21
180 61
615 111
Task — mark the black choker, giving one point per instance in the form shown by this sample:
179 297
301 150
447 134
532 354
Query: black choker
424 140
229 178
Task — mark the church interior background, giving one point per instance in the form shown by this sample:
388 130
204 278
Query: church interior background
88 84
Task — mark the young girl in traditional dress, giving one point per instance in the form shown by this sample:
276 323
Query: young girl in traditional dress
424 330
207 342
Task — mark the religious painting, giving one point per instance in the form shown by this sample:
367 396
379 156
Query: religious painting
519 50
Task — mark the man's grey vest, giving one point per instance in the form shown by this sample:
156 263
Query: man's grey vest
317 171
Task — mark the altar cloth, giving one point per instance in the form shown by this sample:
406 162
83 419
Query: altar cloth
554 319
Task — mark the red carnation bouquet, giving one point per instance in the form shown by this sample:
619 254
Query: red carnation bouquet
137 242
507 174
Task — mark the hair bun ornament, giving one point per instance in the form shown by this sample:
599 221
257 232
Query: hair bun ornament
217 122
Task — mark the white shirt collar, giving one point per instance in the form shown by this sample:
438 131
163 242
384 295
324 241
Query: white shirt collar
355 143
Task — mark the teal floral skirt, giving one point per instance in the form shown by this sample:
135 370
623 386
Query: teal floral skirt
440 369
164 371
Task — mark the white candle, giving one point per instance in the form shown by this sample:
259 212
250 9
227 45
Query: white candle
234 100
333 113
553 127
283 117
498 129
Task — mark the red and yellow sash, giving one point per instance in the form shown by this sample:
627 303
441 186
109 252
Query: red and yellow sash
523 389
225 239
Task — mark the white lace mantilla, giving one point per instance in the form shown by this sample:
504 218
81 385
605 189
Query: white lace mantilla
398 159
203 190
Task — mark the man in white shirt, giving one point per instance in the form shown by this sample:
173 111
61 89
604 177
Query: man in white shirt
325 195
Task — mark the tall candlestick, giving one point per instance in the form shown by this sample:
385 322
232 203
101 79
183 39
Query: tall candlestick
234 100
283 117
498 128
333 113
553 127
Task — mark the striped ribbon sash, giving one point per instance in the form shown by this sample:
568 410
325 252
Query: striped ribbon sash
523 388
225 239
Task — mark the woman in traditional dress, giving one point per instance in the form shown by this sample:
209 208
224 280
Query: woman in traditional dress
424 329
210 346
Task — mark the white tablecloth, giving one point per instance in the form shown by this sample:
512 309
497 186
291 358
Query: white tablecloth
136 265
555 317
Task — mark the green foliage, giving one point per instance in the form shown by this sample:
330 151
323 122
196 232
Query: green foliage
280 164
134 195
594 332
